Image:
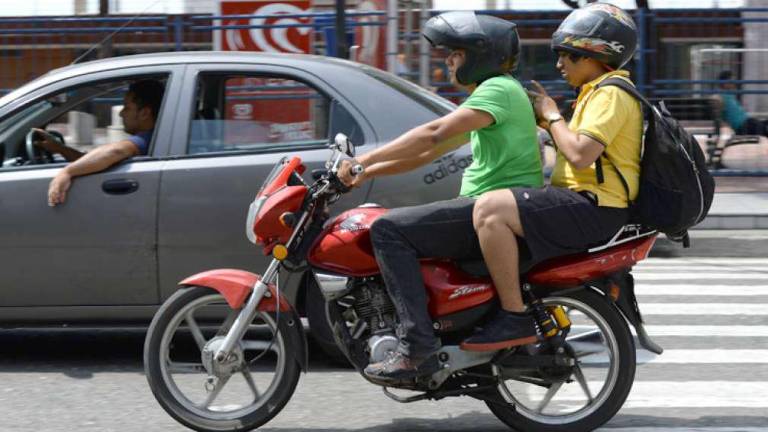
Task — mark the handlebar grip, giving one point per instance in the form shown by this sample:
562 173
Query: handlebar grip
356 169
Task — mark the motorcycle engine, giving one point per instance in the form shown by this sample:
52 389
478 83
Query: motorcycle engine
374 308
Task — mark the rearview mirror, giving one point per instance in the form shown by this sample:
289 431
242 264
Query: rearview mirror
343 144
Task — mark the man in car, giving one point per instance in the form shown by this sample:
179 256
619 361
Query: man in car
483 50
141 105
596 173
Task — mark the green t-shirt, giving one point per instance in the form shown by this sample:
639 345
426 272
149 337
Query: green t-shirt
506 153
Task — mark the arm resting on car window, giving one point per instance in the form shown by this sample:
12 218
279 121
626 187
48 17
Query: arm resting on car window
96 160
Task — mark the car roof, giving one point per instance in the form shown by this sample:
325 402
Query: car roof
169 58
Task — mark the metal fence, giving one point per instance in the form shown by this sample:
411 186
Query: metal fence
715 41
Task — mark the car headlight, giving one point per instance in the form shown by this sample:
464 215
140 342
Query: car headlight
253 213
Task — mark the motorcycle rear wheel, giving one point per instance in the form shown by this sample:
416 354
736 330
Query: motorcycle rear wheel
523 410
193 318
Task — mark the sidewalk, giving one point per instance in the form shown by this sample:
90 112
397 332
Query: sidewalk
737 211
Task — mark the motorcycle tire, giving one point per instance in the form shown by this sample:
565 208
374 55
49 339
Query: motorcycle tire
152 366
517 421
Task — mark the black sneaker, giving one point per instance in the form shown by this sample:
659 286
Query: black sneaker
505 330
399 367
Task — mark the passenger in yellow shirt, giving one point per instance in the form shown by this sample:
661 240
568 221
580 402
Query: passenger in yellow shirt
596 153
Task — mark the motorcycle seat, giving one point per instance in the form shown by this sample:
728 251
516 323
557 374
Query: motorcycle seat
627 233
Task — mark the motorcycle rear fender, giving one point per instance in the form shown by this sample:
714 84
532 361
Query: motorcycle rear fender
236 285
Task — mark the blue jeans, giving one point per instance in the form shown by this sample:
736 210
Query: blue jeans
403 236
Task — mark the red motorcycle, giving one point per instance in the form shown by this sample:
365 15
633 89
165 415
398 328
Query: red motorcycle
224 353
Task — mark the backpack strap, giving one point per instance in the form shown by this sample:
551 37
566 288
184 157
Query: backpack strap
629 88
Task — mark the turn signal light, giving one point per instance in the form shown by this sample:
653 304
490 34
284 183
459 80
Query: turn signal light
280 252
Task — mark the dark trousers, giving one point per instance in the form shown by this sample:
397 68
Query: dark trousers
403 236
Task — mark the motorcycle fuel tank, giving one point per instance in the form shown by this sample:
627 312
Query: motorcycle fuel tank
344 246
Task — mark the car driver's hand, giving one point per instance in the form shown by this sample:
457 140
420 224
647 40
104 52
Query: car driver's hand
57 190
345 173
48 141
543 105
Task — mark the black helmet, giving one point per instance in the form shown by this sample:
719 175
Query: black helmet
600 31
489 42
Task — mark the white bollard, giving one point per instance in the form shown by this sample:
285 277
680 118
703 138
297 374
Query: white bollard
81 127
116 131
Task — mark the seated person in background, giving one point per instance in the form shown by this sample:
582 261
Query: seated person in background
141 105
733 113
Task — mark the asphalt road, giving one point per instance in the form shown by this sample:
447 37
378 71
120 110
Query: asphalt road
711 315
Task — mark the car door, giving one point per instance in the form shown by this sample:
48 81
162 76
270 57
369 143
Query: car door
99 247
234 123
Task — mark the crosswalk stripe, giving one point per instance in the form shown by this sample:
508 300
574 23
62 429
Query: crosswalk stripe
654 276
684 394
693 356
698 260
707 331
700 290
692 268
684 429
674 309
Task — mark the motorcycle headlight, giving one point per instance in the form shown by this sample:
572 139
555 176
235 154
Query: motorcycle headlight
253 213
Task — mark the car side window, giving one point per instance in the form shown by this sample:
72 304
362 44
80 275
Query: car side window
81 118
243 113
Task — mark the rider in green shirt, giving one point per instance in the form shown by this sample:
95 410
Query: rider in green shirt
500 121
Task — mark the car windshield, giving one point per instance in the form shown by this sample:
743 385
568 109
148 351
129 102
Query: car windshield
426 98
31 110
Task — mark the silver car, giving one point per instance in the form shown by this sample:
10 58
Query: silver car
116 249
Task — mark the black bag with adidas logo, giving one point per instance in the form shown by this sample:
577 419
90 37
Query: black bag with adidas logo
676 189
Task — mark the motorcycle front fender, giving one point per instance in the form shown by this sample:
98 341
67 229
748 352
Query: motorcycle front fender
236 285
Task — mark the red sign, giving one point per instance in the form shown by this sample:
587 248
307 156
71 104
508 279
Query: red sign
372 40
282 38
261 109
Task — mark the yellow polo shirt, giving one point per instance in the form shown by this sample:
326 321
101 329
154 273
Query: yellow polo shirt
614 118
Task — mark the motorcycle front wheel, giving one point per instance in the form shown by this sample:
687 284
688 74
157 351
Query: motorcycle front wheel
244 394
584 396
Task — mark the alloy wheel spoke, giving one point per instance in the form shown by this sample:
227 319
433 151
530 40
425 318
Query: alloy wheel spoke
227 324
553 389
196 332
586 343
251 383
181 367
214 393
582 381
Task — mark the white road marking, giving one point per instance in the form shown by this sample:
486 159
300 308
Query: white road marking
686 429
707 331
700 290
674 309
693 356
692 276
683 394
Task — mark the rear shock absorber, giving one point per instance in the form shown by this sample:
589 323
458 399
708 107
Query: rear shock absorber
540 314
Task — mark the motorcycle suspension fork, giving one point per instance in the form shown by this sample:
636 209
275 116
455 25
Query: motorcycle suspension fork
246 315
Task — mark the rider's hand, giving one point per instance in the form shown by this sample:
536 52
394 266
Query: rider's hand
543 105
48 142
57 190
345 173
